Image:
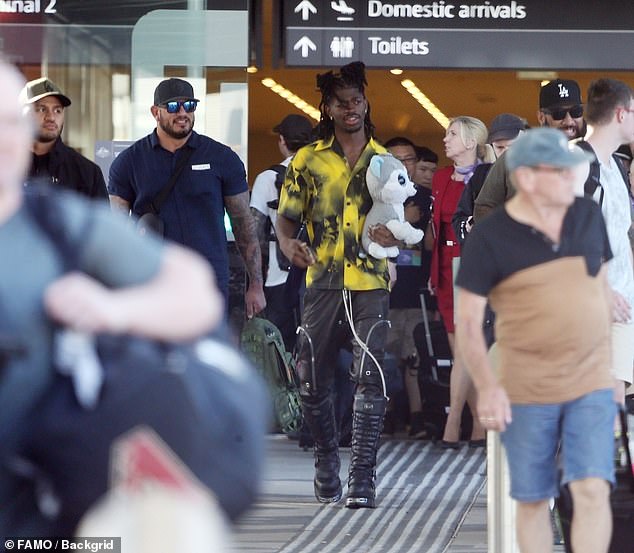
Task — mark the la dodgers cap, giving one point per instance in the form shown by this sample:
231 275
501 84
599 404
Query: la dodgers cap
559 92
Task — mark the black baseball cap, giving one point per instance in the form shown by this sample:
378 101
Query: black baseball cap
173 89
558 93
41 88
295 128
505 126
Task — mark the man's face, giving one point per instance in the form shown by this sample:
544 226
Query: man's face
407 156
625 115
16 131
347 109
547 185
176 125
500 146
568 118
424 173
49 119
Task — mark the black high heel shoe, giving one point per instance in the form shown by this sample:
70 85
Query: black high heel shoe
444 444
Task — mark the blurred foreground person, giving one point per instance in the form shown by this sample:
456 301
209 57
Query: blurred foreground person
123 284
541 260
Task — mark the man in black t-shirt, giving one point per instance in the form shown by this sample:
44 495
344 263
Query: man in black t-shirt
541 261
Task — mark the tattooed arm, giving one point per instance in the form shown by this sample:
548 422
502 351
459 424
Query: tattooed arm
247 241
261 228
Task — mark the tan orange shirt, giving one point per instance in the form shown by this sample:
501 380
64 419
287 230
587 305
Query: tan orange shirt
553 340
552 311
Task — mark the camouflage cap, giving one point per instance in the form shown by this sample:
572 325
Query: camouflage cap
41 88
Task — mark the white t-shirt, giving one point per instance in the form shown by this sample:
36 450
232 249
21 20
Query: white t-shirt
263 192
618 219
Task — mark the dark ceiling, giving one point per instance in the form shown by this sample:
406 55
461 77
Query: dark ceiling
482 94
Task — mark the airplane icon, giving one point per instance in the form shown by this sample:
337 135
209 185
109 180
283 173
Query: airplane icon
342 8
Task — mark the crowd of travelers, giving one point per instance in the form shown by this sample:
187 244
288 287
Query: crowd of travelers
527 237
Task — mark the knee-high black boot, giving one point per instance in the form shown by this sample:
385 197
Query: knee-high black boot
320 418
367 423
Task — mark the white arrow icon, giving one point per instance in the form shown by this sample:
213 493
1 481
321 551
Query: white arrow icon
305 6
305 44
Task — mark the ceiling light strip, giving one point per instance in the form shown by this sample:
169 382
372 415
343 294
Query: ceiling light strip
427 104
292 98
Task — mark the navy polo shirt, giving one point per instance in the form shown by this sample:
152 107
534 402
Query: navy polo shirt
193 213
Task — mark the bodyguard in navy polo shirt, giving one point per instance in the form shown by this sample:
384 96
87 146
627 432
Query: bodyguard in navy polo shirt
213 179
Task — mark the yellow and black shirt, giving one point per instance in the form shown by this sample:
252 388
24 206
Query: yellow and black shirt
321 189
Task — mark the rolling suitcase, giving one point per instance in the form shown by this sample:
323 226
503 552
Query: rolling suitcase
621 501
434 371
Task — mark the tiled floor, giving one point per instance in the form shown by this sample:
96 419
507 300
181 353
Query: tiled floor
472 534
287 514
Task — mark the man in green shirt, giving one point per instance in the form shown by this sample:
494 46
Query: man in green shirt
347 291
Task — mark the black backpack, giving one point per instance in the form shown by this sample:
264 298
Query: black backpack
594 177
282 261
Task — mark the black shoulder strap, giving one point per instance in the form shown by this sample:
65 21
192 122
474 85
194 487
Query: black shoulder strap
280 172
155 205
626 178
594 177
45 208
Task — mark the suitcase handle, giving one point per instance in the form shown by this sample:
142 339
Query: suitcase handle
423 304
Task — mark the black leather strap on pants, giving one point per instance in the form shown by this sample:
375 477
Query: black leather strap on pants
325 330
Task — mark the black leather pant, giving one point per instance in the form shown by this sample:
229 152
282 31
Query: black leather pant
325 330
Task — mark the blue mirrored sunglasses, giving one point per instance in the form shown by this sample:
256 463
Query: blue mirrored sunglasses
174 107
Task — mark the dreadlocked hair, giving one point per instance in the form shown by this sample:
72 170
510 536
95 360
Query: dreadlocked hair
349 76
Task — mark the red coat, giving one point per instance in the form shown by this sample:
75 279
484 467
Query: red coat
445 199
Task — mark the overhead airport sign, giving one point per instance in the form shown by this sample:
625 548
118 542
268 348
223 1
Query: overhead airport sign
485 34
97 12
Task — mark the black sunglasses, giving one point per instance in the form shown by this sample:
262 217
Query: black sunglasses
174 107
560 113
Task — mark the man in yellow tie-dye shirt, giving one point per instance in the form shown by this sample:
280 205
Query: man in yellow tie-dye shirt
347 291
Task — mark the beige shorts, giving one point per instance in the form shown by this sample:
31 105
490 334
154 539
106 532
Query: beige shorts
623 351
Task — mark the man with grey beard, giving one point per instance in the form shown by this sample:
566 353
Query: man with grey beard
211 178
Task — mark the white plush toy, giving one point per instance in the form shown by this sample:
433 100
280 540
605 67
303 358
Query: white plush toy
389 186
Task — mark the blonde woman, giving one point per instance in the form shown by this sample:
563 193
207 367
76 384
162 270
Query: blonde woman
465 145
